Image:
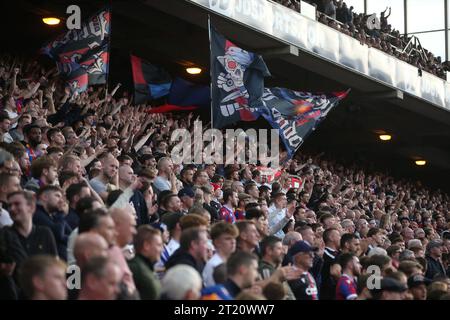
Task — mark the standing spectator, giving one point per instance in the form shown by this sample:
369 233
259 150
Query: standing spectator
346 288
8 183
248 239
148 245
330 274
24 239
100 280
43 278
74 193
223 236
227 212
166 177
33 138
126 180
280 214
242 269
193 250
109 175
304 288
182 282
5 124
435 268
51 211
43 173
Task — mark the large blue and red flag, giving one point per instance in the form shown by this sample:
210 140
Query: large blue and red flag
185 96
83 53
297 114
150 82
237 82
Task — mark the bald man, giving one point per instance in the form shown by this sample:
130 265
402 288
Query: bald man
109 175
88 245
125 223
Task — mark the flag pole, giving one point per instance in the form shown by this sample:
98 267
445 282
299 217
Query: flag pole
210 69
109 49
211 76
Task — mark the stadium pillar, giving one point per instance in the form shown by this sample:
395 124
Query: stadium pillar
405 16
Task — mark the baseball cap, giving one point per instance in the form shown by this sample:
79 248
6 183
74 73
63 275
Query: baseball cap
417 280
186 192
392 285
171 219
300 246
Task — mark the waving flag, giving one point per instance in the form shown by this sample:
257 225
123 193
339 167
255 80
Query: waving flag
237 82
297 114
185 94
83 52
150 82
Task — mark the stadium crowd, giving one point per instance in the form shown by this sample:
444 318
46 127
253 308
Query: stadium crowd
337 15
87 184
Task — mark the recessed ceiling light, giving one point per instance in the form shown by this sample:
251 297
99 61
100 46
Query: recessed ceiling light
51 21
193 70
421 162
385 137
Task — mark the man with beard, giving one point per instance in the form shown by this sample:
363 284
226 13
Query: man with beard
126 180
272 256
350 244
56 138
148 245
109 175
230 199
43 172
193 249
51 212
33 137
351 269
242 270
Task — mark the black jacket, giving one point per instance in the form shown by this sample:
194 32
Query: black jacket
328 284
140 206
58 225
434 268
182 257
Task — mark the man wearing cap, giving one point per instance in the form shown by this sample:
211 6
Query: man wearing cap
186 196
417 285
304 288
435 268
390 289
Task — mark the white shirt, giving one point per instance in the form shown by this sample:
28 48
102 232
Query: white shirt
172 246
70 245
5 218
208 270
277 221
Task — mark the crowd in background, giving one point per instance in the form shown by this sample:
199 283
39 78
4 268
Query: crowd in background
382 35
87 180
